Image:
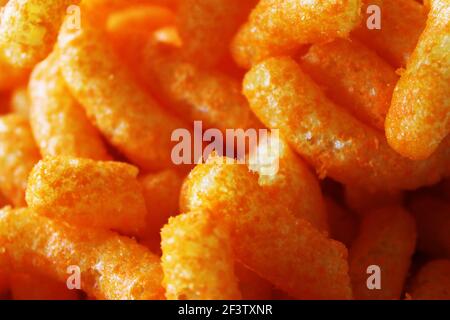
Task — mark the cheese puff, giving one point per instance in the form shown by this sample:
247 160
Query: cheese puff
333 141
26 286
386 239
287 251
161 194
361 200
28 29
432 281
196 93
402 22
291 182
252 286
18 155
419 117
130 119
11 77
112 267
88 193
343 224
433 224
60 125
20 101
354 77
197 259
277 27
207 27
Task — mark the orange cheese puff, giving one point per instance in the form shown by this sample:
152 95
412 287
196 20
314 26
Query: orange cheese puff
293 185
161 194
386 239
433 225
361 200
402 22
207 27
343 225
197 259
195 93
277 27
287 251
333 141
37 287
354 77
130 119
111 266
59 123
252 286
88 193
11 77
18 155
20 101
28 29
432 281
419 117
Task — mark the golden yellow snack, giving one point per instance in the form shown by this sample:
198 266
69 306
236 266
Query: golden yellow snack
197 259
433 224
207 27
343 224
332 140
60 125
266 237
161 193
127 116
386 239
277 27
32 286
111 266
292 185
402 22
193 92
18 155
362 201
419 117
252 286
354 77
432 281
85 192
28 29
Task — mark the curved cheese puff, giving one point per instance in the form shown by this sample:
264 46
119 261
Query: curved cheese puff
28 29
112 267
32 286
433 225
196 93
60 125
277 27
333 141
252 286
18 155
343 224
127 116
361 200
354 77
293 185
207 27
419 117
266 237
161 193
386 239
402 22
432 281
88 193
197 259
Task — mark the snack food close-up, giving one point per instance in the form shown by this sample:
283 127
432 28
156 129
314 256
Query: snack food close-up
225 150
